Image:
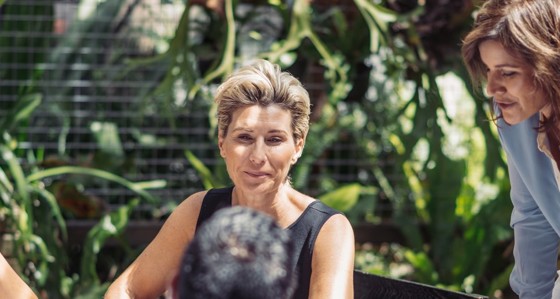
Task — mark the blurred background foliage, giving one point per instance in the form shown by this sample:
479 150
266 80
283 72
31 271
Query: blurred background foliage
385 76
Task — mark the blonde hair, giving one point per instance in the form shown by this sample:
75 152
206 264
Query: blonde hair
263 83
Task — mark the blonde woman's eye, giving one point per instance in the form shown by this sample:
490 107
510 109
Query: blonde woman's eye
508 74
275 140
244 137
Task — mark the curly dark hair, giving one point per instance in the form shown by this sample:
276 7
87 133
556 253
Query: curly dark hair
238 253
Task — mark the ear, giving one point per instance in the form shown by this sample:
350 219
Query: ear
299 150
221 145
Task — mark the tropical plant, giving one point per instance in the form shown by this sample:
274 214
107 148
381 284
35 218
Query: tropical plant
32 218
384 89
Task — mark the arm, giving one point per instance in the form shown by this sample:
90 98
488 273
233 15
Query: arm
152 272
333 260
533 193
536 243
11 285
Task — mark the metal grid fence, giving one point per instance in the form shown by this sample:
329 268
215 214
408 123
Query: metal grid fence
83 92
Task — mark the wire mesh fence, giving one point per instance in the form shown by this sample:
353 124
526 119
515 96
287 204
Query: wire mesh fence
97 115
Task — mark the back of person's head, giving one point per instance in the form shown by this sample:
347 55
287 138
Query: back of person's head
263 83
238 253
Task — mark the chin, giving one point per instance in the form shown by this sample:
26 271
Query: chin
257 187
510 122
514 120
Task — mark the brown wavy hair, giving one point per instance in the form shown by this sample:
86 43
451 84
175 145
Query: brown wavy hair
528 30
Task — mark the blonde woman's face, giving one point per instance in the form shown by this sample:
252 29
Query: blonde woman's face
259 147
510 83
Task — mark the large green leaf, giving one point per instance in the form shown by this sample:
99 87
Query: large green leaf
208 178
342 198
138 187
378 19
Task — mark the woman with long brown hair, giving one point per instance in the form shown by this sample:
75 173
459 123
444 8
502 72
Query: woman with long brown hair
514 49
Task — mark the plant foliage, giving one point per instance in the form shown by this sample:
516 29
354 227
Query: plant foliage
391 83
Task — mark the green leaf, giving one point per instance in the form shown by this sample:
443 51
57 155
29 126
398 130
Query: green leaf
46 258
343 198
107 137
110 225
21 111
138 188
17 173
500 281
54 209
377 18
6 188
208 179
424 269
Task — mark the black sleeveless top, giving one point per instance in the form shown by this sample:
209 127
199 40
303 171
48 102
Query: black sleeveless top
304 231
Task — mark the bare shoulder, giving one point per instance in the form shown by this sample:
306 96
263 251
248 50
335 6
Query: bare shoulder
338 224
185 215
338 231
192 203
333 260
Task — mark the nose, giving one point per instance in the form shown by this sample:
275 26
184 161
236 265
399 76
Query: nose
258 153
494 86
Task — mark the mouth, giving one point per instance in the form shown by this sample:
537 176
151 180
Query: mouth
256 174
504 105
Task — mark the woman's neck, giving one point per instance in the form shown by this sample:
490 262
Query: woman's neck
282 205
259 200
